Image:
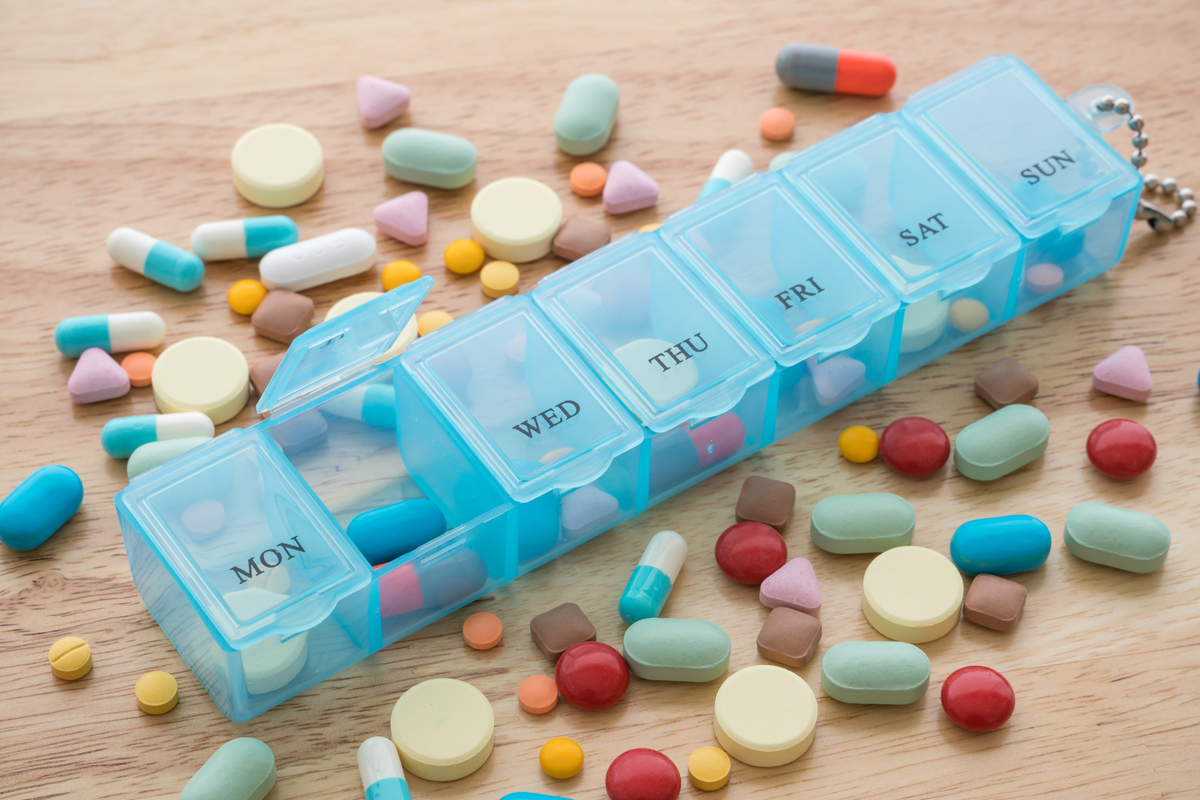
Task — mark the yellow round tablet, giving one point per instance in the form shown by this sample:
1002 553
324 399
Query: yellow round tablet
278 165
765 716
398 273
912 594
348 303
499 278
708 768
430 321
859 444
515 219
561 758
70 658
246 296
202 374
443 729
463 256
156 692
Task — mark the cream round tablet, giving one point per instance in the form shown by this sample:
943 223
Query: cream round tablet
443 729
924 322
201 374
278 165
351 302
912 594
648 363
407 333
765 716
515 219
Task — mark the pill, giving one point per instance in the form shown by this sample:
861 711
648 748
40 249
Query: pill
994 602
246 296
765 500
515 219
591 676
862 523
648 587
749 552
587 179
663 386
690 650
817 68
561 758
731 167
859 444
203 518
499 278
159 261
1124 374
139 367
300 433
682 452
579 237
556 630
443 728
628 189
642 774
153 454
777 124
482 631
314 262
1121 448
429 158
924 322
350 303
586 114
912 594
883 673
70 658
156 692
793 585
765 716
708 768
405 218
1006 383
1000 545
113 333
789 636
463 256
968 315
274 662
262 372
537 694
780 160
430 321
386 533
241 769
398 273
122 435
202 374
38 506
653 226
978 698
836 378
283 315
381 771
1117 537
96 377
914 446
375 404
1002 442
1044 278
243 238
277 165
381 101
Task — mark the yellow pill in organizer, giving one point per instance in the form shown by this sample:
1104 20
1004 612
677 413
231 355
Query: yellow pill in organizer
708 768
156 692
70 658
859 444
765 716
561 758
430 321
499 278
398 273
912 594
246 296
202 374
278 165
515 219
443 728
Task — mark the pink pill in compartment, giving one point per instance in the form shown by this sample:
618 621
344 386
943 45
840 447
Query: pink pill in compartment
1044 278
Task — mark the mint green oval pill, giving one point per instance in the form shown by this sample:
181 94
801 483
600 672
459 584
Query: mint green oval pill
586 115
886 673
241 769
667 649
862 523
152 454
429 158
1117 537
1002 442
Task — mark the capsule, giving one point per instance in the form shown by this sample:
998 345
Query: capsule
121 436
1000 545
652 579
374 404
112 333
243 238
828 69
316 261
159 261
732 166
382 774
39 506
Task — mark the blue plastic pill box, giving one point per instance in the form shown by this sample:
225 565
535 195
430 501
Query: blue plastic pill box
540 421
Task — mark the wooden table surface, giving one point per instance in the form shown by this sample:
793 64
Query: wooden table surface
125 113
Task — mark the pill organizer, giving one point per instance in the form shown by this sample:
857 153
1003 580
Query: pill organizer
540 421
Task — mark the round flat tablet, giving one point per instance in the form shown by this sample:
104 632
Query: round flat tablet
278 165
156 692
351 302
924 322
272 663
202 374
515 219
912 594
765 716
443 729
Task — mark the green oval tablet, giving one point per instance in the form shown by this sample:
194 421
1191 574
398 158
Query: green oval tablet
152 454
1117 537
429 158
665 649
862 523
586 115
1002 442
241 769
887 673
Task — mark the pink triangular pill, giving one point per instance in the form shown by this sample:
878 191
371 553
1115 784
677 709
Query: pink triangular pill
380 101
405 218
97 377
793 585
836 379
1124 374
628 189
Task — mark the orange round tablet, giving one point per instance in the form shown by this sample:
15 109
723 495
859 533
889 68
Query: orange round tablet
537 694
139 366
777 124
483 631
587 179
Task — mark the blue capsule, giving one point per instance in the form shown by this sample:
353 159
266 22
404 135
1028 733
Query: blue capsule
243 238
1000 545
39 506
732 166
652 579
384 534
159 261
112 333
122 435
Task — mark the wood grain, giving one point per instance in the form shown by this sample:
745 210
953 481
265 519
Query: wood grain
125 115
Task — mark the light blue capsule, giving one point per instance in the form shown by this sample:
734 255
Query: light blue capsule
1000 545
39 506
160 262
112 333
243 238
384 534
122 435
732 166
374 404
652 579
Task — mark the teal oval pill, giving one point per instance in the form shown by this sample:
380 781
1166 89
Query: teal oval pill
862 523
151 455
39 506
1002 442
429 158
241 769
668 649
1000 545
384 534
886 673
1117 537
586 115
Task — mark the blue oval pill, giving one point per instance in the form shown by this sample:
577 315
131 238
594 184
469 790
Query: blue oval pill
1000 545
39 506
384 534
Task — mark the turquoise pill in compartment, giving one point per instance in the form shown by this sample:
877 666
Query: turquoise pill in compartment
1002 442
862 523
1117 537
1000 545
666 649
39 506
886 673
429 158
586 115
384 534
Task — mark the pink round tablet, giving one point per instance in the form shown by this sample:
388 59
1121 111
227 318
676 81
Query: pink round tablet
1044 278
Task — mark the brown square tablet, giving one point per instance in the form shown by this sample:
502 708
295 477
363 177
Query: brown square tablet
789 636
766 500
578 237
262 372
994 602
282 315
557 629
1006 382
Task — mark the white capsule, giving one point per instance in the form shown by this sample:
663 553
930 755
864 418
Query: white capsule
113 333
157 260
316 261
122 435
652 579
243 238
380 769
732 166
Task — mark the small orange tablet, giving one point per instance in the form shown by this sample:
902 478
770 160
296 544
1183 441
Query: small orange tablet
483 631
587 179
537 694
777 124
139 366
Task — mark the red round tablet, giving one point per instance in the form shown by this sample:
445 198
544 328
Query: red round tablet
642 774
591 676
750 552
978 698
914 446
1121 448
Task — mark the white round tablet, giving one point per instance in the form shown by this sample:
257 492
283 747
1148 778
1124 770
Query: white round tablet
443 729
272 663
515 219
202 374
278 165
765 716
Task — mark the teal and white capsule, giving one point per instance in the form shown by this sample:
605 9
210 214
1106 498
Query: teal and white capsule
374 404
652 579
112 333
243 238
122 435
160 262
732 166
382 774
